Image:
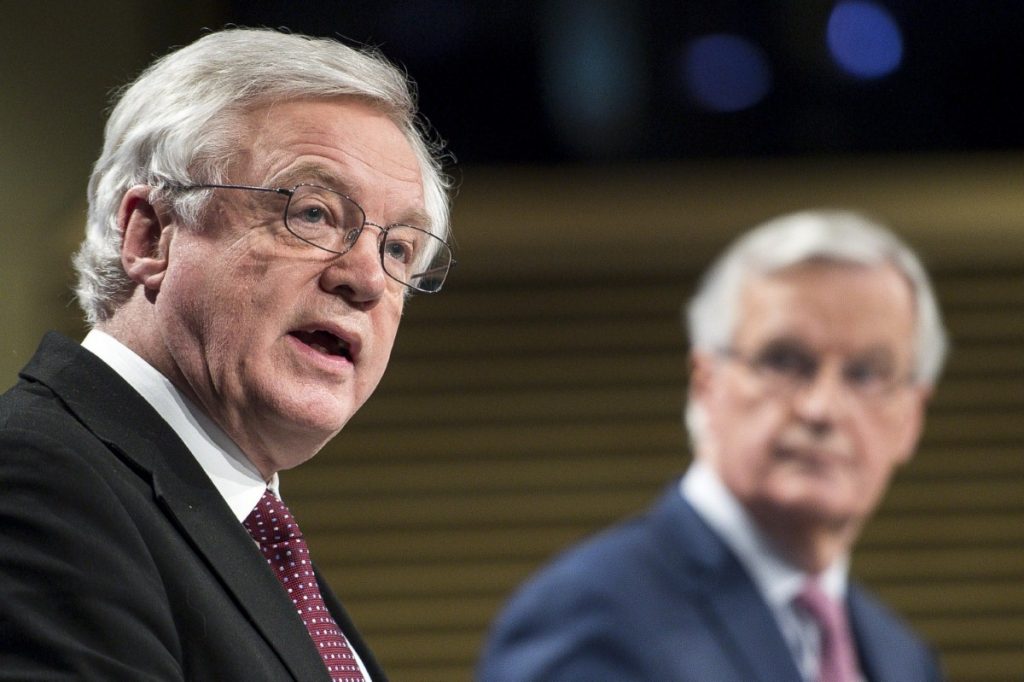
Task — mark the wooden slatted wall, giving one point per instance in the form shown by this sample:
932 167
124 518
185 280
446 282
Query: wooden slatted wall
530 405
947 548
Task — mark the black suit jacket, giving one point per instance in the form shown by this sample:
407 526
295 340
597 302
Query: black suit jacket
662 599
119 560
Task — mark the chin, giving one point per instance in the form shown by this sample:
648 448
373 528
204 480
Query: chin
827 513
325 422
807 507
320 417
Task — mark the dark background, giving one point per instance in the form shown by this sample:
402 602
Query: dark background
495 76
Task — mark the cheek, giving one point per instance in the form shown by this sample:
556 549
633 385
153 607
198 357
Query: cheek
186 297
745 426
748 414
376 355
882 446
387 329
250 268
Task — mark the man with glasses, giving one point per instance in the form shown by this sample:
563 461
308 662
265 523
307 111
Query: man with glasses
262 208
815 343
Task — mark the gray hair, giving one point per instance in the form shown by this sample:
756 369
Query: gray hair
796 238
179 123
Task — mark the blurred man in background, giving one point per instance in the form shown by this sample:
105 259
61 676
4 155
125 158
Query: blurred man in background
816 341
262 208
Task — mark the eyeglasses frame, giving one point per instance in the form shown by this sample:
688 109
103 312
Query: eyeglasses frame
380 238
749 362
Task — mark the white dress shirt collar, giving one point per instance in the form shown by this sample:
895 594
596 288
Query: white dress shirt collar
777 579
234 476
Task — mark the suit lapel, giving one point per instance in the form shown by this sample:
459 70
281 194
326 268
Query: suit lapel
105 404
234 557
740 619
344 622
749 629
887 652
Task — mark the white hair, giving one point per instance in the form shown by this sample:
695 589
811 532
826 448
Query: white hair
797 238
180 123
790 240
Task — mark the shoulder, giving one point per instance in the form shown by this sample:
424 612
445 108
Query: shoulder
888 641
37 433
65 495
57 475
598 610
42 441
614 564
30 409
64 486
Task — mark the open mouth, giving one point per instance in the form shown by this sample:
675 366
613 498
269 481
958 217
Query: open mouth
324 342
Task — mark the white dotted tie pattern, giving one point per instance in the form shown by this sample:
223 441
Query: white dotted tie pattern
281 542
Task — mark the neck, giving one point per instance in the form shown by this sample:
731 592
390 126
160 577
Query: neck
807 543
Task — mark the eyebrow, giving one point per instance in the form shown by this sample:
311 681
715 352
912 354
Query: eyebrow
316 173
415 218
874 351
306 172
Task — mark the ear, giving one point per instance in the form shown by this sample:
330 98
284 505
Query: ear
143 255
913 424
702 367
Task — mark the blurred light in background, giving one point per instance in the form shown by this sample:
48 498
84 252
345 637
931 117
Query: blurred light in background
593 74
725 72
864 39
555 81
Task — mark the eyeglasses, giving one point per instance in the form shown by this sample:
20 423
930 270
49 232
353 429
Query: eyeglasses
787 367
331 221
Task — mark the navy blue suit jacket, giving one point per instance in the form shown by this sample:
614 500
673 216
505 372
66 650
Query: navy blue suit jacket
662 599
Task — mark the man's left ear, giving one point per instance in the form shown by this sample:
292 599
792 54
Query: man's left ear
914 423
702 365
143 253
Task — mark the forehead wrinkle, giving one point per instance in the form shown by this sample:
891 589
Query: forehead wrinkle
414 218
310 172
379 177
825 318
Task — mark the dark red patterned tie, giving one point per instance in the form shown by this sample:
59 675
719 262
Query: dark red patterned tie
279 538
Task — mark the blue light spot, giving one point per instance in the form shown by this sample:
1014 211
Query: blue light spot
725 72
864 39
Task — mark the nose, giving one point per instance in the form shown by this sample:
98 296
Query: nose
357 274
820 403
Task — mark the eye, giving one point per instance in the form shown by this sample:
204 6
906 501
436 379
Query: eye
399 250
315 209
403 244
866 373
787 360
312 214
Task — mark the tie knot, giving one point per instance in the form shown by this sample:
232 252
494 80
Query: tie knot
823 608
270 521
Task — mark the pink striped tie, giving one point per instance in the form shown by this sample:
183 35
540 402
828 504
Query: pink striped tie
272 527
837 660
